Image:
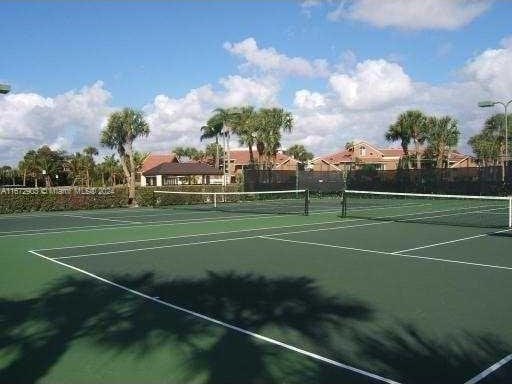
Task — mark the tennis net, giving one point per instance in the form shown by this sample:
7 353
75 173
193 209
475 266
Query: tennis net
271 202
456 210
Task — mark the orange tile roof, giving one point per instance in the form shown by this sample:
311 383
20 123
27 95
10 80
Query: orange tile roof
347 156
155 159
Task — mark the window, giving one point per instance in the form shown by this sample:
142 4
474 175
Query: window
169 180
151 181
362 151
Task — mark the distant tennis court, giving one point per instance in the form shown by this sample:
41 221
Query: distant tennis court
281 287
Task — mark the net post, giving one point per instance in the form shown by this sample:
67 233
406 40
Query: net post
153 198
510 212
343 204
214 199
306 203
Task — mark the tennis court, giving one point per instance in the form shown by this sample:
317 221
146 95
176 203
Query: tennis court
369 289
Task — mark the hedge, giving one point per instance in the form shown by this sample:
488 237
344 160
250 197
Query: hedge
13 200
145 196
75 198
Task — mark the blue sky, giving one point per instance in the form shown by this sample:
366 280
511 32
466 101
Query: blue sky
71 63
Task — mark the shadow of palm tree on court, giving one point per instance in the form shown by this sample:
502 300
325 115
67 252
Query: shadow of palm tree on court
411 357
38 332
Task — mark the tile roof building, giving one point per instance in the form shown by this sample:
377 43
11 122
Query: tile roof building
363 153
171 172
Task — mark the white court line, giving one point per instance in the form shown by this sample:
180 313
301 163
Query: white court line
33 232
196 235
224 324
28 232
155 247
206 241
101 218
271 237
26 215
221 232
452 241
491 369
252 229
83 228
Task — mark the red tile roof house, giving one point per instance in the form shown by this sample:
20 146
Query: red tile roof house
362 153
240 159
162 170
181 174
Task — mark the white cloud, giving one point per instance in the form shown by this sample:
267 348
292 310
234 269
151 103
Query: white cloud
491 69
372 84
360 101
177 121
328 128
69 121
412 14
270 60
308 100
310 3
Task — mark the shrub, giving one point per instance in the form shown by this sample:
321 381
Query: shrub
61 198
145 196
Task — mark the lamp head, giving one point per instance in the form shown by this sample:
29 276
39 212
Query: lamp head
486 104
4 88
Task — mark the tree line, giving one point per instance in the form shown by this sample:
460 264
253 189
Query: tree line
260 130
49 168
435 138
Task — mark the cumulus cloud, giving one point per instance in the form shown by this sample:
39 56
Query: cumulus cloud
372 84
359 101
308 100
270 60
412 14
68 121
328 128
491 69
176 121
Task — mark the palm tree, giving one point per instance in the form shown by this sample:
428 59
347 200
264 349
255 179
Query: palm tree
188 152
222 124
89 152
76 165
489 144
244 126
400 131
272 122
213 150
442 135
122 129
139 158
349 145
22 166
487 147
213 129
299 152
111 165
415 122
32 166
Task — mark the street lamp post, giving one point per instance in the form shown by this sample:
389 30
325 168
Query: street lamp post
505 104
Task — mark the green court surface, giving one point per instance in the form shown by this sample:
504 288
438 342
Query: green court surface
172 296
